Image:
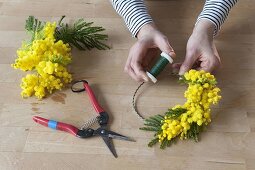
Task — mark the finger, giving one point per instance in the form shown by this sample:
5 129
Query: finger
132 74
188 63
210 64
176 68
128 69
130 56
139 71
127 65
215 51
163 44
151 55
212 60
216 54
205 66
137 55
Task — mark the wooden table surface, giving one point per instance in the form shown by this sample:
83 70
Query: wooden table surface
227 144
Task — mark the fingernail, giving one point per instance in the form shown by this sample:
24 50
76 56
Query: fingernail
172 54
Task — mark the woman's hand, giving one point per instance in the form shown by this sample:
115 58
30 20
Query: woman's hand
144 50
201 53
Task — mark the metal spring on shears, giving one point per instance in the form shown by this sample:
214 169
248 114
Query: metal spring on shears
90 122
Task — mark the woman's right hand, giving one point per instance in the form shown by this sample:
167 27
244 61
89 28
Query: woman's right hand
150 39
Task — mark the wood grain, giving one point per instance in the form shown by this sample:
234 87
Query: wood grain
228 143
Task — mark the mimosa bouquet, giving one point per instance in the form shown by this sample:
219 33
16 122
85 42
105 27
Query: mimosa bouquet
48 52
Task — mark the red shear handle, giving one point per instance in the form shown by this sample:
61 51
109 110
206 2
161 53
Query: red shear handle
93 99
56 125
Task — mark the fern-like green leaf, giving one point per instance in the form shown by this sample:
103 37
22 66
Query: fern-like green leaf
167 143
153 142
152 121
194 131
34 27
82 35
164 143
175 113
151 124
157 119
61 60
154 129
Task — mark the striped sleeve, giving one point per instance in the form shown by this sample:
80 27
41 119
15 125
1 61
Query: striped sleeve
134 13
216 11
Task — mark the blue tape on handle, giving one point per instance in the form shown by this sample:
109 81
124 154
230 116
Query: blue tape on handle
52 124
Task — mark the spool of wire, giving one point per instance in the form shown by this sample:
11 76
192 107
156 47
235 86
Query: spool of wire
152 74
159 66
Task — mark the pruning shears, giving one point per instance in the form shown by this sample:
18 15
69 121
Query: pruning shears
102 119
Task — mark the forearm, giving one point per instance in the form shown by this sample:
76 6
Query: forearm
216 11
134 13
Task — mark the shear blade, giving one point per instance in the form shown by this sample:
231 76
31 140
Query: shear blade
121 137
113 135
109 144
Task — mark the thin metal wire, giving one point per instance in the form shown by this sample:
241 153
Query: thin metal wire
134 96
89 123
134 103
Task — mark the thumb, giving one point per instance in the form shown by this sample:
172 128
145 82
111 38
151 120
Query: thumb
163 44
187 64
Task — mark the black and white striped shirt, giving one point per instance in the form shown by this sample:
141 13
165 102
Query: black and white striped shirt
135 14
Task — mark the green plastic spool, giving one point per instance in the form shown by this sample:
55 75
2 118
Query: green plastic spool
159 66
